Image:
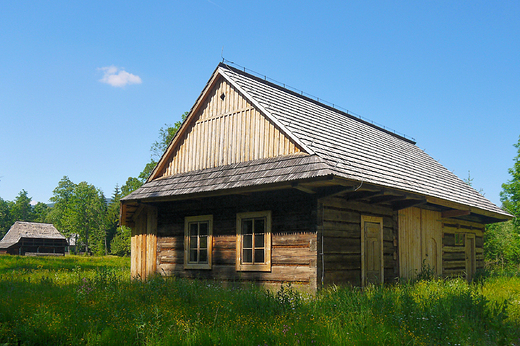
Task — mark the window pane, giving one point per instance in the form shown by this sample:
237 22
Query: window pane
247 241
193 255
193 242
193 229
247 227
259 255
203 256
203 228
203 243
259 225
259 240
248 256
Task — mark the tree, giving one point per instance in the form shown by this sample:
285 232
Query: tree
5 217
112 218
120 245
502 240
40 212
80 209
158 148
510 195
86 216
502 244
22 208
62 196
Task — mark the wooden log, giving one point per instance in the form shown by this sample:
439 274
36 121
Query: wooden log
292 256
343 277
364 208
341 215
293 239
454 264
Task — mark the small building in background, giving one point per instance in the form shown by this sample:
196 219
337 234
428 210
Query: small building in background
32 238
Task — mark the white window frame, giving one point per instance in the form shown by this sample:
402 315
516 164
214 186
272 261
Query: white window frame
187 221
266 265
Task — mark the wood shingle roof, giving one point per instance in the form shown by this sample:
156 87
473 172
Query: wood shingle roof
22 229
336 143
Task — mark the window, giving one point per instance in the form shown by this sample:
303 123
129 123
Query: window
254 241
198 240
459 239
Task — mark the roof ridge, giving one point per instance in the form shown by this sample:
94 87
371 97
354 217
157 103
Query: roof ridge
316 102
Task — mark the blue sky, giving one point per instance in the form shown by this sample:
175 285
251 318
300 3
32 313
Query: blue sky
86 85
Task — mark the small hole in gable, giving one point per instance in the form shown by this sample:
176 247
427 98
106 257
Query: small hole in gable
223 96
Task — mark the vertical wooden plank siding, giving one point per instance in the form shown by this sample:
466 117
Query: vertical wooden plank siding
420 241
143 261
227 130
431 228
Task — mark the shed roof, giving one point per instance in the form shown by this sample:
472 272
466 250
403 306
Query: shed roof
342 144
22 229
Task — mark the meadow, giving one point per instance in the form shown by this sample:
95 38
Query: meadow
92 301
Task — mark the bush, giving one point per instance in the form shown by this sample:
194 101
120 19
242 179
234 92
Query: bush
502 244
120 245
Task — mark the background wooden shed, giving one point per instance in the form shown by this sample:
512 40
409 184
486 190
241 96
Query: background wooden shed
32 238
338 200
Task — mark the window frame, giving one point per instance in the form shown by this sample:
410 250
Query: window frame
187 221
266 265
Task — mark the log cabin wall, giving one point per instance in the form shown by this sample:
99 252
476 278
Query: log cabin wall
462 248
293 252
226 129
339 238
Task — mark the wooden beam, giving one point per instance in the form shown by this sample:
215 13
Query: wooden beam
332 191
357 195
302 188
438 201
385 199
454 213
407 203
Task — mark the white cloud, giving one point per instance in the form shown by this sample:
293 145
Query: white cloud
118 77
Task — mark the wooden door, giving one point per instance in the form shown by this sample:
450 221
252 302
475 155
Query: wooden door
471 263
372 266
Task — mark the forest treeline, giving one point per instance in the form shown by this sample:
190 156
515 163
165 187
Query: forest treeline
82 210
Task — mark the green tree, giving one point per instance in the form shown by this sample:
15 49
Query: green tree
80 209
112 217
502 244
158 148
40 212
120 245
5 217
510 195
86 216
21 210
62 195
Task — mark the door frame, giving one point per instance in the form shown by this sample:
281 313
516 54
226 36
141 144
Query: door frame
371 219
471 258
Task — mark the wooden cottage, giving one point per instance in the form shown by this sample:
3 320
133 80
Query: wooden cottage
31 238
264 184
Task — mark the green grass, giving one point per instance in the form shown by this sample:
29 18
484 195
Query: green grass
92 301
